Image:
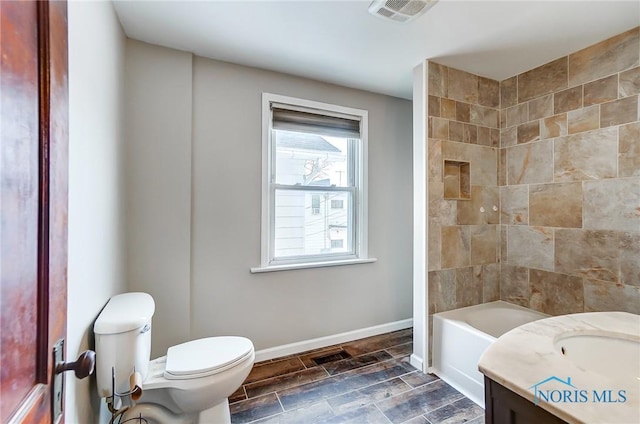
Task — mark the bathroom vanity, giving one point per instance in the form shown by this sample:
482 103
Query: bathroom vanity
504 406
573 368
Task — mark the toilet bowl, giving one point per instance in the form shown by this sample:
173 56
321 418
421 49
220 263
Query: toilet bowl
190 384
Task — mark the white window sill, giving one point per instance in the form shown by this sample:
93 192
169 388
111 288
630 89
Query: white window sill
272 268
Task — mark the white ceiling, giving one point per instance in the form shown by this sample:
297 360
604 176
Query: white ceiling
341 43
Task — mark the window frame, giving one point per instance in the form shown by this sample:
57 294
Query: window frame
360 197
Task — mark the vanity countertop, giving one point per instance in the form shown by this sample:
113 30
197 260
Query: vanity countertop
528 358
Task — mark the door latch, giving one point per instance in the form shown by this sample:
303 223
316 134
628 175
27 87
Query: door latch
82 367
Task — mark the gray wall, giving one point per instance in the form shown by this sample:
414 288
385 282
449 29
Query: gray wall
158 173
193 206
96 269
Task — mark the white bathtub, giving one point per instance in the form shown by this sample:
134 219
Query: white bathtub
461 336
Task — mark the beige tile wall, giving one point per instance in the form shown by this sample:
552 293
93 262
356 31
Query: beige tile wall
464 243
569 177
557 150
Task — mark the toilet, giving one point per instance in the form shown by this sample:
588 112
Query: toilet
190 384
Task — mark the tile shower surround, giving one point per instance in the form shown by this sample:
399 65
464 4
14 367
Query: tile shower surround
557 149
569 179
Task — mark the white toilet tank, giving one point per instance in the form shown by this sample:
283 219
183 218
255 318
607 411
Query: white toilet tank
123 340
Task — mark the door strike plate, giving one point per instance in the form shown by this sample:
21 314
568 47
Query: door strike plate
58 381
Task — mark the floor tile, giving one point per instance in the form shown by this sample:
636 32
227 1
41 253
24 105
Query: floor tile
417 420
458 412
238 395
367 395
254 409
372 344
368 414
273 369
418 401
418 378
309 414
400 350
345 365
286 381
367 381
312 392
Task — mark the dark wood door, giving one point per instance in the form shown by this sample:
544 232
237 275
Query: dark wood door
33 203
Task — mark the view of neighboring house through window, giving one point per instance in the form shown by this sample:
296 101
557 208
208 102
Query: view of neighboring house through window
305 222
316 203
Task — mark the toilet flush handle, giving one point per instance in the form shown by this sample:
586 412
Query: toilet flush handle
82 367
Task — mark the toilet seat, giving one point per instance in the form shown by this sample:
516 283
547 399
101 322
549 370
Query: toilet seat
204 357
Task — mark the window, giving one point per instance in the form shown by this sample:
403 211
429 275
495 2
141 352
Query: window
314 203
337 204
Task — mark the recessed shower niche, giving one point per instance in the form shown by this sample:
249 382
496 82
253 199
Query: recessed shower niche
457 184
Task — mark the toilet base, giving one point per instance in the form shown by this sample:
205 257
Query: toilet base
157 414
150 413
218 414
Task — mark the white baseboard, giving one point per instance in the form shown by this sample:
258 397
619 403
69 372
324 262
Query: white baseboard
303 346
416 362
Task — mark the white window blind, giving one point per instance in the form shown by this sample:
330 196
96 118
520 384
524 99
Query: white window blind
307 121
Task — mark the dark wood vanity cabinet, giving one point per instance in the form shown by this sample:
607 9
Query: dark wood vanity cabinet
502 406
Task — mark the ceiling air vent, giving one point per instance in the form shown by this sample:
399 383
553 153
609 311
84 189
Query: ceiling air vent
400 10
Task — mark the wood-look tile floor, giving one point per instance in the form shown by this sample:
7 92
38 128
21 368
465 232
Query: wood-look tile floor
365 381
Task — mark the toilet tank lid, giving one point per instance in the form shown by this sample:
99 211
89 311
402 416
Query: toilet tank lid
125 312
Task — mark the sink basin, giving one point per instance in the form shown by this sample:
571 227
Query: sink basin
606 354
598 353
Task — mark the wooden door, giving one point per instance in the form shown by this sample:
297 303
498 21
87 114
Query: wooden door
33 204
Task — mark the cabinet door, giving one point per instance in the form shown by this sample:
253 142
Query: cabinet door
502 406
